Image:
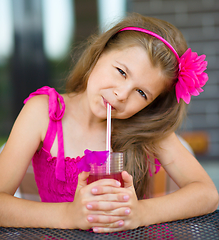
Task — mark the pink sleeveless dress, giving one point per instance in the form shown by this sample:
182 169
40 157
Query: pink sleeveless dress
56 177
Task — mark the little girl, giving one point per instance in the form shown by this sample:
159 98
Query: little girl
143 69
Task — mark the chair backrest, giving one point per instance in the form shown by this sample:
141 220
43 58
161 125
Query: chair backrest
28 188
198 140
1 148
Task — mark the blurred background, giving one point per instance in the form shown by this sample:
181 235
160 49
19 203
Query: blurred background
38 38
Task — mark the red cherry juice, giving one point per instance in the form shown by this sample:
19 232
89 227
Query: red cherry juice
117 176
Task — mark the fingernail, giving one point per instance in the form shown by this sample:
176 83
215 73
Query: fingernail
118 183
126 197
94 190
90 219
127 211
89 206
121 223
95 230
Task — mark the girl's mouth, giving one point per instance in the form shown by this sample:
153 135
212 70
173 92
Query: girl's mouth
105 103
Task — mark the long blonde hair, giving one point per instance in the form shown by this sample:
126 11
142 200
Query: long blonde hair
138 136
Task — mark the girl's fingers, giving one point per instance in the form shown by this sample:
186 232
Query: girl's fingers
103 223
117 208
117 228
82 180
106 182
113 227
108 197
103 189
103 220
104 186
110 210
128 179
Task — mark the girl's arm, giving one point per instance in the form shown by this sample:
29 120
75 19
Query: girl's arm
27 133
15 212
197 194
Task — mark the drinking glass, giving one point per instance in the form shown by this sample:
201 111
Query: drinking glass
111 169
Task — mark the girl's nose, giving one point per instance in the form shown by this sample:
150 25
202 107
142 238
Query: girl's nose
122 93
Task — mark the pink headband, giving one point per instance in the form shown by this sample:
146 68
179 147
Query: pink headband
191 75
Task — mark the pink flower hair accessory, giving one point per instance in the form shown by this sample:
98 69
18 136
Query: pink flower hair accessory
191 75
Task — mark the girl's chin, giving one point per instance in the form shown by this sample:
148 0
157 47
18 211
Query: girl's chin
100 114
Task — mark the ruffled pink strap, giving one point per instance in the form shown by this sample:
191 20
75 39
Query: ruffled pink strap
55 113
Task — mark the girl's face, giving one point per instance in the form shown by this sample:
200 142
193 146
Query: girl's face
126 80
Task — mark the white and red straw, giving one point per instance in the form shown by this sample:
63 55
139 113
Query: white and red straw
108 136
108 131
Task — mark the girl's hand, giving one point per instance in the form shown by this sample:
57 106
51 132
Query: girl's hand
81 214
126 210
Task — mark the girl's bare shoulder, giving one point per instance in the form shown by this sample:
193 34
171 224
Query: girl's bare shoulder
39 103
35 113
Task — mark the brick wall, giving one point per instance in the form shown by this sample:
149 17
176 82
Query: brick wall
199 22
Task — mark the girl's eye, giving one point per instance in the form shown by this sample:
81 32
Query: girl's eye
122 72
142 93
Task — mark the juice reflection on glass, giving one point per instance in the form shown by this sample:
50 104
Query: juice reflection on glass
111 169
